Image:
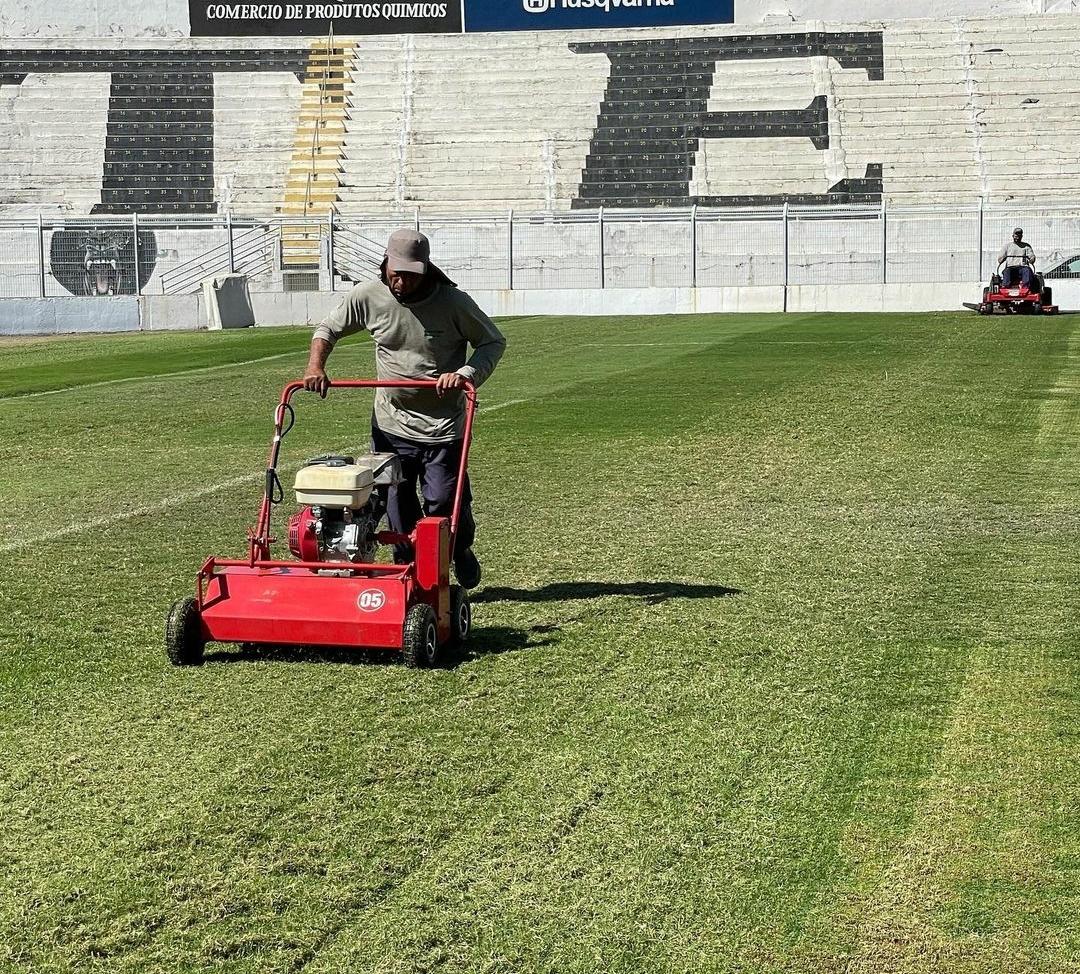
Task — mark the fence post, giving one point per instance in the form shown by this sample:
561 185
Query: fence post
884 243
41 257
416 219
330 249
693 246
979 255
510 249
600 227
228 230
135 241
785 254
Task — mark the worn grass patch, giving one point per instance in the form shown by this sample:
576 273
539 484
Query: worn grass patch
775 668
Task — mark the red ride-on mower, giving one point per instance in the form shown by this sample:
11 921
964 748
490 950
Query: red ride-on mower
1016 298
334 594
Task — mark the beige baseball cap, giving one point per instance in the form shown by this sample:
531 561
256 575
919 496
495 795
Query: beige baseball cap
408 250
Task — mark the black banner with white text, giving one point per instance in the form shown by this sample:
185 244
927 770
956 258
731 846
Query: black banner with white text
210 18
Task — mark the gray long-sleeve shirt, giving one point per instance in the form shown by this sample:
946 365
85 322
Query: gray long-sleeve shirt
1016 255
419 340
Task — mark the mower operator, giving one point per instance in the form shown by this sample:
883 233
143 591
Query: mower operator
422 326
1019 259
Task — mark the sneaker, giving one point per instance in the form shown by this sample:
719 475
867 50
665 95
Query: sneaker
467 569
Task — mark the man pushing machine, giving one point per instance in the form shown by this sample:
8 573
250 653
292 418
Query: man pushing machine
422 326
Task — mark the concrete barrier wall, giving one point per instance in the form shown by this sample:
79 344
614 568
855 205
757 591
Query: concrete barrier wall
61 316
56 316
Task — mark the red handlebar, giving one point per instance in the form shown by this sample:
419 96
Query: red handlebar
260 537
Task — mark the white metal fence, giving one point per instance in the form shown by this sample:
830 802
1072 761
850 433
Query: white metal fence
783 245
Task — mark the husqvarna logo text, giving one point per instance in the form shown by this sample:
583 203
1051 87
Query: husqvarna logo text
543 6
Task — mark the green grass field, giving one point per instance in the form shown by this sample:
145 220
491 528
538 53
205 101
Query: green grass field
776 664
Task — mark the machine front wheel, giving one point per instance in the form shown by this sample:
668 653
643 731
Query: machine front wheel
460 615
184 643
420 637
986 308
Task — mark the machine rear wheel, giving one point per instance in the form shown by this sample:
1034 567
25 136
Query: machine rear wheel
420 638
460 615
184 643
1047 296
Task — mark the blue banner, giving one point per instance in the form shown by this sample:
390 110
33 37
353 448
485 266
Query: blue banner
586 14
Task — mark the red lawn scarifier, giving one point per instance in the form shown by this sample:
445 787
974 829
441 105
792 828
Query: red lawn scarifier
334 594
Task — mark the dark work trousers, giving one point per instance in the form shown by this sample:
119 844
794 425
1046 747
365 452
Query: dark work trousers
1025 273
435 467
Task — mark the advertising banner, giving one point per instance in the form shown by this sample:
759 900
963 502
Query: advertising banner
211 18
589 14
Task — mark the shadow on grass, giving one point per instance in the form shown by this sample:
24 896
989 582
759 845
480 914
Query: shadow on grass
652 593
495 640
483 641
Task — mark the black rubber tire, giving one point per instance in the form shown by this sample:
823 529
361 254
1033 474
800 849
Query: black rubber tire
460 615
1047 296
986 308
420 637
184 644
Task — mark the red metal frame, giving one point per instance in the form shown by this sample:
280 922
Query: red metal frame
260 540
1000 294
265 600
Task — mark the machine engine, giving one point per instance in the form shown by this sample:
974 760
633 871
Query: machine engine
344 501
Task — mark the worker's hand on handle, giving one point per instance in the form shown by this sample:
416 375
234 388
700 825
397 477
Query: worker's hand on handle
316 380
449 381
315 377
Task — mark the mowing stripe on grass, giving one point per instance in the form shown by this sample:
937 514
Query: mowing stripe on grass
108 520
179 500
216 368
502 405
639 344
140 378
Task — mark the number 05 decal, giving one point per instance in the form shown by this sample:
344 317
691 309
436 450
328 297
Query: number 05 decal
370 600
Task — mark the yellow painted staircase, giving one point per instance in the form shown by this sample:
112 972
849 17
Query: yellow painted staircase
311 187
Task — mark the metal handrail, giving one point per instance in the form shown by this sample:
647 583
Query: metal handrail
315 136
256 243
355 254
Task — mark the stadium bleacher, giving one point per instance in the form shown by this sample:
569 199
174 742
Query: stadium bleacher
915 112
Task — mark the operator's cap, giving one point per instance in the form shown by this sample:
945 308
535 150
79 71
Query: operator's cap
1018 229
408 250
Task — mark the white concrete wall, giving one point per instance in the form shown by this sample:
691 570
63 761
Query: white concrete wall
796 11
52 316
255 116
93 18
61 316
52 143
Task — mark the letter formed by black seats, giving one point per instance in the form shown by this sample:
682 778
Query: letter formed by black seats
654 115
157 99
